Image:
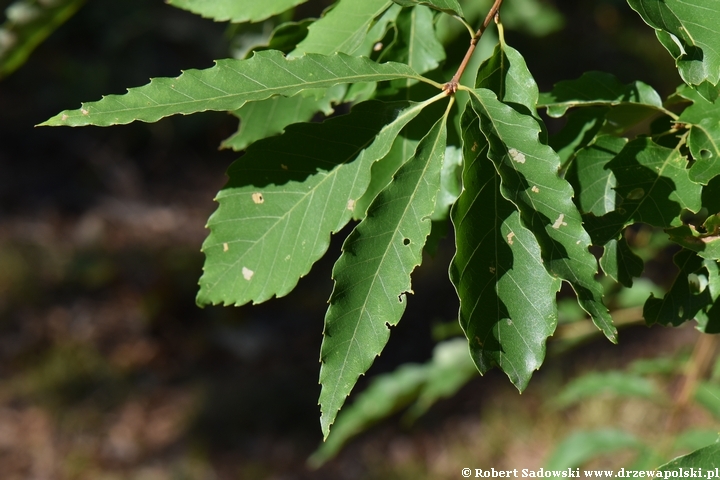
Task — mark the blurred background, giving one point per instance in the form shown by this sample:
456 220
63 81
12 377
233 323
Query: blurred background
108 370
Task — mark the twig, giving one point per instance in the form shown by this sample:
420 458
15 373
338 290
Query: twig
451 87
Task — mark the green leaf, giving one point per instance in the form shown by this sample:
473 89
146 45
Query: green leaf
708 395
372 276
621 263
529 179
450 183
653 187
690 32
506 73
507 298
284 198
707 458
448 6
580 447
28 24
236 11
383 170
598 88
594 384
270 117
228 85
707 245
342 28
689 295
449 369
416 43
580 130
594 184
703 118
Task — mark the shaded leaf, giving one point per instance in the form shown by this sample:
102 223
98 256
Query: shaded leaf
372 276
708 395
416 43
284 198
342 28
593 182
594 384
703 118
448 6
653 187
598 89
28 24
507 298
449 369
236 11
580 447
690 32
707 458
579 131
621 263
529 179
269 117
228 85
386 394
689 294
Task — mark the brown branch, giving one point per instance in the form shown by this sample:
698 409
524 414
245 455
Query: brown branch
452 86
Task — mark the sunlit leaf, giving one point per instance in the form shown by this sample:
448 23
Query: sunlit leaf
529 179
236 10
285 197
690 32
372 276
707 458
652 186
507 298
342 28
416 43
448 6
703 118
228 85
598 89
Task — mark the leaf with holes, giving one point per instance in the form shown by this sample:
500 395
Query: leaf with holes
228 85
703 119
652 187
507 298
690 32
285 197
372 276
689 295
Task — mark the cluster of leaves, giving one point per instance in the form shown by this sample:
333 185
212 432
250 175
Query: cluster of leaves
525 206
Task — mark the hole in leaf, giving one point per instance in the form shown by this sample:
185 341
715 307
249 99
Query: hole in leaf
406 241
681 311
705 154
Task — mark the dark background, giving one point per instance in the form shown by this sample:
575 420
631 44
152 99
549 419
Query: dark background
106 364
